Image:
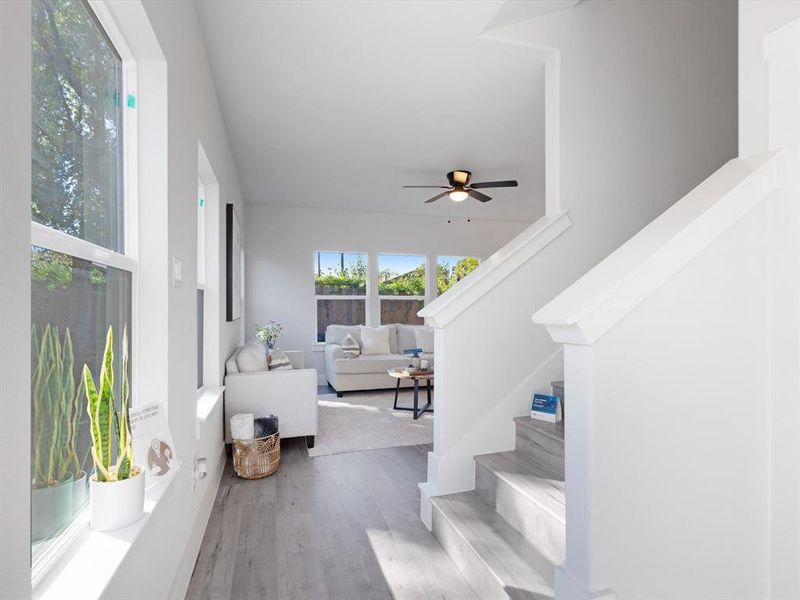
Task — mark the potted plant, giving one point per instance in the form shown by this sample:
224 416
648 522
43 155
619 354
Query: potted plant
268 334
58 482
116 490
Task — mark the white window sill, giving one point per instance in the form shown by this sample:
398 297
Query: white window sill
207 399
86 566
318 347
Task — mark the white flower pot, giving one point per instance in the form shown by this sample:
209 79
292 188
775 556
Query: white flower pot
116 504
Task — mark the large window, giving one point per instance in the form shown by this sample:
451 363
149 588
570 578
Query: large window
340 286
82 278
401 288
77 117
452 269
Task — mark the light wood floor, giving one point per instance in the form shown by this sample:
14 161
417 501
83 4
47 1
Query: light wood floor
334 527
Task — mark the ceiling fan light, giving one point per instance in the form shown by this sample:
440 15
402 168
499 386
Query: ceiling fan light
458 195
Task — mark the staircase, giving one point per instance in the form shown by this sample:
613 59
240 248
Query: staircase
508 534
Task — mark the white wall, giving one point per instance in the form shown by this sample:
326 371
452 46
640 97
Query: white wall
15 297
167 548
683 366
680 422
768 118
647 111
757 18
281 242
175 118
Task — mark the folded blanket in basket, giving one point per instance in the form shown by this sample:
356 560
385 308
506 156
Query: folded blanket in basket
264 426
242 426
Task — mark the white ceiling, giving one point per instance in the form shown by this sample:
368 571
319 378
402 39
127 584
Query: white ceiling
338 104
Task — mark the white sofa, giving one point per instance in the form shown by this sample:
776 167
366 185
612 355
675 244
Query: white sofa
368 371
291 395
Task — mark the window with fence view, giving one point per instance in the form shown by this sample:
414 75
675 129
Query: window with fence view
452 269
77 212
340 286
401 288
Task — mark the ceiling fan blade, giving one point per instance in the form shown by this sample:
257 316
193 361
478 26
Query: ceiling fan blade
478 196
435 198
494 184
438 187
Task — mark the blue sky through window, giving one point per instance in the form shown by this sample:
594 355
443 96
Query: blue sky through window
450 260
332 261
399 263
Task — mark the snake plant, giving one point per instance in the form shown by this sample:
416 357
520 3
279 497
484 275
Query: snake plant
110 427
56 407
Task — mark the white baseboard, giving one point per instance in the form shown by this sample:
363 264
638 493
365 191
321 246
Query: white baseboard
567 588
180 583
425 506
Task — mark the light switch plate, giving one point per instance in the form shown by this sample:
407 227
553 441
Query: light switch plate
177 271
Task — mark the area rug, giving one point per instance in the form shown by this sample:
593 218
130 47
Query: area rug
366 421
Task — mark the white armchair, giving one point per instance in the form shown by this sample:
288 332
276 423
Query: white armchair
291 395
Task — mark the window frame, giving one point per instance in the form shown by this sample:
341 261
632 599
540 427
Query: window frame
423 297
52 239
202 275
318 297
201 234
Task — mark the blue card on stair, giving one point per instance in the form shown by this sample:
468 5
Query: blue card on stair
546 408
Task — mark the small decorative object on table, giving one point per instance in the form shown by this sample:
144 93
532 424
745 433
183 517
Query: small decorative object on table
546 408
268 334
256 457
414 367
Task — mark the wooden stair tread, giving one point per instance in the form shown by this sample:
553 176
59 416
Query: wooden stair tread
552 430
529 479
517 565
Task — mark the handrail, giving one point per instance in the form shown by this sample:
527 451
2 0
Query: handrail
612 289
494 269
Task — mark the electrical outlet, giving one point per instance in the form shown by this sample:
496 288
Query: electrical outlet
200 470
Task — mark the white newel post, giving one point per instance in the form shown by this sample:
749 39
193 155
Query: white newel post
631 451
781 121
575 577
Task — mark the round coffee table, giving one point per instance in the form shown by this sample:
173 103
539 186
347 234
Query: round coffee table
416 377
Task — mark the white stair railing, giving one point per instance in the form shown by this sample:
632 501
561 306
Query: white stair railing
487 360
664 357
682 352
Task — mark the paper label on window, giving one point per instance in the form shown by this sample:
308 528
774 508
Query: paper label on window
152 442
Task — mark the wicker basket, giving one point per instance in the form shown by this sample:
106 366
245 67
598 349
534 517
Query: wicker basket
254 459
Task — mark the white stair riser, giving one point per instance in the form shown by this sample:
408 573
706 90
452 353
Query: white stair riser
479 576
527 516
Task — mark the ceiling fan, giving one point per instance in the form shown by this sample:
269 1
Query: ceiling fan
460 188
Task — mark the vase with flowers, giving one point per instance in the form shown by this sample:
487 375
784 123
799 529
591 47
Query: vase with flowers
268 334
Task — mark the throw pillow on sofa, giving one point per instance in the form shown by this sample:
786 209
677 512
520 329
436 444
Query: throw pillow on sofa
375 340
278 361
424 337
350 347
252 357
